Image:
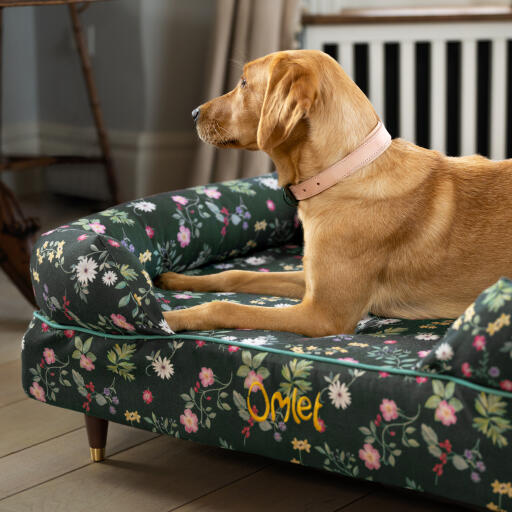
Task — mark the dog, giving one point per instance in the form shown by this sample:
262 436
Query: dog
413 234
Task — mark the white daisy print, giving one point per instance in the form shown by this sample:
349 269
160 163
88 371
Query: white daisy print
260 340
269 183
339 395
163 367
165 327
86 270
427 337
223 266
444 352
109 278
144 206
255 260
282 305
387 321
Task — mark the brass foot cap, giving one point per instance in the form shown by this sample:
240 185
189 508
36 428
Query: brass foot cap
97 454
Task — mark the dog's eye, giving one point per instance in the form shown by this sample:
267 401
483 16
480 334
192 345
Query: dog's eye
243 82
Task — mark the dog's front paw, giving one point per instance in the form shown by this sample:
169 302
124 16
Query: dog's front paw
180 319
167 281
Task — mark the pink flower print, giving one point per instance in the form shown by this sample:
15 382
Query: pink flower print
506 385
49 355
232 348
206 377
388 409
252 377
44 327
150 231
69 333
423 353
81 237
270 205
223 231
390 342
189 420
321 424
86 363
180 200
120 321
97 227
479 342
421 380
113 243
212 192
200 343
445 413
383 375
147 396
184 236
466 369
348 359
37 392
182 296
370 456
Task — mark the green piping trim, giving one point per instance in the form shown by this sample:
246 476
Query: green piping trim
311 357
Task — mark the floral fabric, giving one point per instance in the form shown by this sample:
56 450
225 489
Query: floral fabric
478 345
313 404
97 271
424 405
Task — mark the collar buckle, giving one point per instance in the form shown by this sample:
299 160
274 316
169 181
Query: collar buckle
289 198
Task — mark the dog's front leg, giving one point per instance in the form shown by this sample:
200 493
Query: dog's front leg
306 318
282 284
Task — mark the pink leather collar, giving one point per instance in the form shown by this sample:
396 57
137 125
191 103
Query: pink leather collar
371 148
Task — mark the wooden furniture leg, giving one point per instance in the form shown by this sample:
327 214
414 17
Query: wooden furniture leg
97 429
94 101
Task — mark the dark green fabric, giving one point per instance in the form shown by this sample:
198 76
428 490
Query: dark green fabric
428 428
419 433
96 272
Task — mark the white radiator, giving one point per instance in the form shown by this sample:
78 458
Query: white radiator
483 103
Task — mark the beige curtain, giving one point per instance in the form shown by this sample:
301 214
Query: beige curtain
244 30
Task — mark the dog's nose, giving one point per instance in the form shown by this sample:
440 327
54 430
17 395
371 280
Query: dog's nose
195 114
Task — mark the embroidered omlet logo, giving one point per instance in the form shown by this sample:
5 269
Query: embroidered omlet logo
301 408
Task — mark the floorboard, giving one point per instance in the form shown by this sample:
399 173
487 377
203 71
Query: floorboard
10 379
27 423
286 487
156 476
399 501
60 455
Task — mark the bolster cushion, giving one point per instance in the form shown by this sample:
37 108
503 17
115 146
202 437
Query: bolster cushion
478 345
97 271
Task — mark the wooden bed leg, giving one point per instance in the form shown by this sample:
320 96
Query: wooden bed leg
97 434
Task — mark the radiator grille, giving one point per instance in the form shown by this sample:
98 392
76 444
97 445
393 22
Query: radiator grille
442 86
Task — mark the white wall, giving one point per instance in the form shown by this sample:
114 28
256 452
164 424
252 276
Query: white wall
329 6
149 64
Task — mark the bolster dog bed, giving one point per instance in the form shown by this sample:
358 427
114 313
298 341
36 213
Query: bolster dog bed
424 405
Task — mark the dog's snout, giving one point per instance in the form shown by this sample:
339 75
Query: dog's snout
195 114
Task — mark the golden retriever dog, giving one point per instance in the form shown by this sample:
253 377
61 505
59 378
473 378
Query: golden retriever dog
414 234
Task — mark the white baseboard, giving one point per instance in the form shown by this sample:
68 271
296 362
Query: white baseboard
145 162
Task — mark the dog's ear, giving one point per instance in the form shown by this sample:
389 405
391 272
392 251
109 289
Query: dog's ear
290 93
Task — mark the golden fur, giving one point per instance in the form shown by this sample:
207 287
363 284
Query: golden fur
415 234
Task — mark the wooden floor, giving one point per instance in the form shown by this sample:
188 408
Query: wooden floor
44 456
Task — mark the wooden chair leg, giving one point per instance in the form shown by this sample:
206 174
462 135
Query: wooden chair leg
97 433
94 101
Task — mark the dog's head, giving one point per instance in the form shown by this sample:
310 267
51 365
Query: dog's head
273 96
